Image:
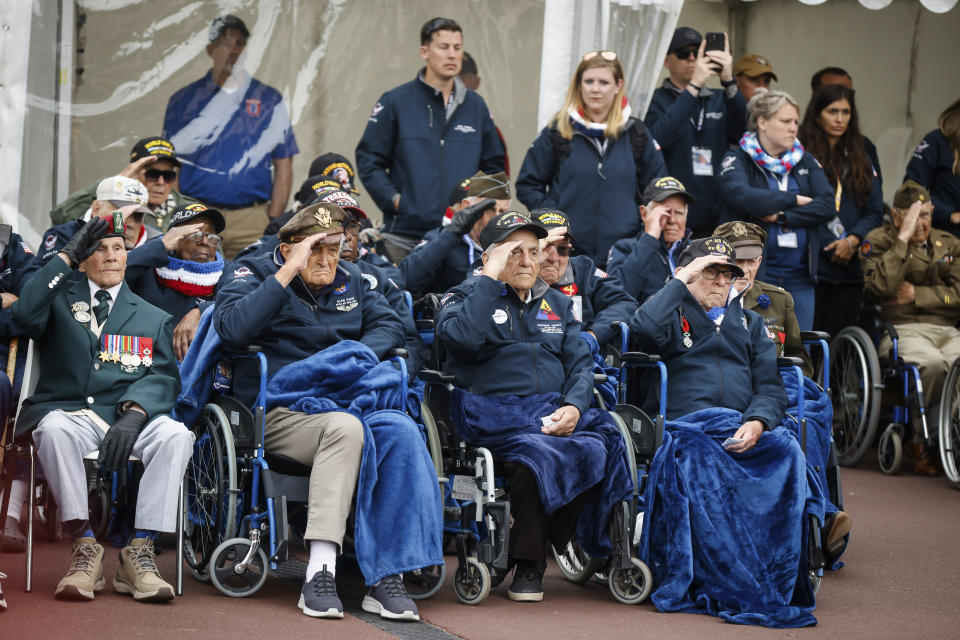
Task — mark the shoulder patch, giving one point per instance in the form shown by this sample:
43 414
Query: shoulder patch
241 272
26 249
50 241
866 247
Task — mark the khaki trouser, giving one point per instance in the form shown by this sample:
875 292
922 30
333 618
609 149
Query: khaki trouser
331 443
244 226
932 348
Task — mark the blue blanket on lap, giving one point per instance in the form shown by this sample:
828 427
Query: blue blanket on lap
725 534
592 456
399 522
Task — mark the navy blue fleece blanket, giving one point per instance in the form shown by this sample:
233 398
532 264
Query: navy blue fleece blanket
592 457
399 521
725 533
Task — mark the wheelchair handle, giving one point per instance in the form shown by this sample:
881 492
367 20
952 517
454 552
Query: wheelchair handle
432 375
813 336
784 361
397 352
638 357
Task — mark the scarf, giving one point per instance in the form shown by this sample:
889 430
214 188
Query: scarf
596 129
782 165
194 279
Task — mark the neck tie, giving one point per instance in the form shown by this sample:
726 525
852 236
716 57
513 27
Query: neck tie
102 310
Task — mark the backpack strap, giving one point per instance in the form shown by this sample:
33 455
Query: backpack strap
561 148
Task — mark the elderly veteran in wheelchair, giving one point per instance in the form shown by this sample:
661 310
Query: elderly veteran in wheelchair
297 302
913 272
514 345
108 378
728 493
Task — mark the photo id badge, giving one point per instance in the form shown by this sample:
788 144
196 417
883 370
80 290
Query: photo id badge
787 239
577 308
836 227
702 161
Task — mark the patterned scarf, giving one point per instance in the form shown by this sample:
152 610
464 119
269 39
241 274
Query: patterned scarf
596 129
194 279
782 165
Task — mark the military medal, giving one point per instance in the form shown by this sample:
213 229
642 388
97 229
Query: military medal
81 316
79 306
687 340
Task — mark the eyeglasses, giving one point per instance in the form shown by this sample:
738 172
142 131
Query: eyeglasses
561 249
212 239
685 54
606 55
352 228
713 274
152 175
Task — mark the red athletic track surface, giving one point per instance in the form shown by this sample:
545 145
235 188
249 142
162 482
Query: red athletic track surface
902 580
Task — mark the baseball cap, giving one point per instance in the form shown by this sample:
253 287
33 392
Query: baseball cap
343 200
224 22
747 238
684 37
908 193
753 65
713 246
482 185
660 189
501 226
122 191
183 215
334 165
314 186
552 218
161 148
321 217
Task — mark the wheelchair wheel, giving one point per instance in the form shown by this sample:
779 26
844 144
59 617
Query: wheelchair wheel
210 505
855 380
890 449
950 424
633 585
575 565
98 499
423 583
472 582
433 438
224 562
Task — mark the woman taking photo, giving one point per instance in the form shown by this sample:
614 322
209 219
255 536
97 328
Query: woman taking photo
831 133
593 159
936 165
770 180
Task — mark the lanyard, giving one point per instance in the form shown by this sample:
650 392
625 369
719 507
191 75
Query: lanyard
470 253
673 266
839 195
698 125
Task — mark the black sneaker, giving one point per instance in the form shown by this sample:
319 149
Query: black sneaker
390 599
527 581
318 598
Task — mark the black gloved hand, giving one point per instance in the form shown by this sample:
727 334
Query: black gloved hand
84 242
118 443
464 219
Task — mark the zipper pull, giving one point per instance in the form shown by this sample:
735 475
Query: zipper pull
600 170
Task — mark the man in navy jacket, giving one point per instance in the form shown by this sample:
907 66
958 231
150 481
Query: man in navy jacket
694 124
422 138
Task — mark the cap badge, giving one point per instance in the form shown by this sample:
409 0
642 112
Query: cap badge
739 230
552 218
762 61
718 246
322 217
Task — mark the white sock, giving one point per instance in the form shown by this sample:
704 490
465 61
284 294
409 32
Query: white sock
18 494
322 552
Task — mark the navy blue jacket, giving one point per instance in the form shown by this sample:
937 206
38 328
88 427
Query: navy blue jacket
141 276
733 365
599 193
498 345
291 323
602 296
713 120
858 221
642 264
17 265
410 148
56 238
932 166
441 261
748 197
381 282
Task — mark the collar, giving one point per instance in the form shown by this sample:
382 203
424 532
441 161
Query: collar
567 276
458 95
705 92
113 291
540 288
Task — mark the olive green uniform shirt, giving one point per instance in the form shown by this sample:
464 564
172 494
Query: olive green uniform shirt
780 320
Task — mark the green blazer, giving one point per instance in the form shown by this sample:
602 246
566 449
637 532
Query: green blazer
73 373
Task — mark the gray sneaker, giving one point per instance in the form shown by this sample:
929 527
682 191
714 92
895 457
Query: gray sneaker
318 598
390 599
13 539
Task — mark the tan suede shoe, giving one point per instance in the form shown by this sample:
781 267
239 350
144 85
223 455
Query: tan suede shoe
138 574
85 575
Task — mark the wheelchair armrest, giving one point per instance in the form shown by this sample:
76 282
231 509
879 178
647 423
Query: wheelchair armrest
784 361
599 378
397 352
814 335
638 357
432 375
252 348
889 329
424 324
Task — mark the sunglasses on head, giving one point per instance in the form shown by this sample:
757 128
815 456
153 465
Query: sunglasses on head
685 54
169 175
606 55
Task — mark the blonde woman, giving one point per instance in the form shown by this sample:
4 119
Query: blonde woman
936 165
593 159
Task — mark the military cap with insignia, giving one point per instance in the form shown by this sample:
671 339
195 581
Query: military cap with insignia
713 246
662 188
315 186
501 226
552 218
322 217
482 185
908 193
747 238
184 214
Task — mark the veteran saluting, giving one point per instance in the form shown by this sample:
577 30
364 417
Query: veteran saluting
108 378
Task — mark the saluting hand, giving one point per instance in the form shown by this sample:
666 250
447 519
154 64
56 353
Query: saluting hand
297 258
909 224
655 217
554 234
692 271
498 257
173 236
136 168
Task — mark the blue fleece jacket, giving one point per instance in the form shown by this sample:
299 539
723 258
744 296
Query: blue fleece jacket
932 166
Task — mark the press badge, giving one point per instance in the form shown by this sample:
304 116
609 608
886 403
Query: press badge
787 240
836 227
577 308
702 161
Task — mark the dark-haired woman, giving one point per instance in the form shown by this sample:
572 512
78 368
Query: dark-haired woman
831 133
936 165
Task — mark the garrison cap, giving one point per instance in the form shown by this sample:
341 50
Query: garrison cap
482 185
713 246
501 226
747 238
909 193
322 217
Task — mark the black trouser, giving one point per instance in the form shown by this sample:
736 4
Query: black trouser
532 527
837 306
